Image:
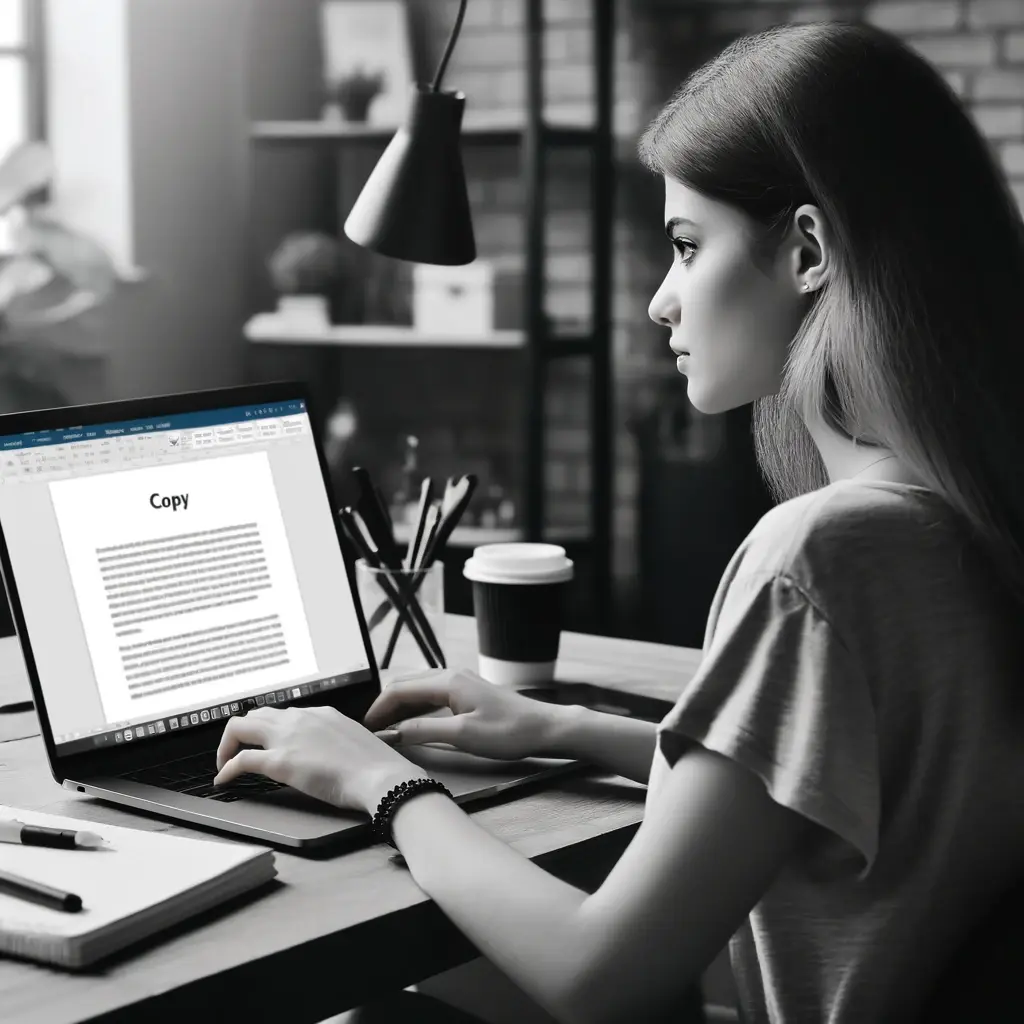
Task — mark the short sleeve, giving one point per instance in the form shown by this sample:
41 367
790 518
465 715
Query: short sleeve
780 693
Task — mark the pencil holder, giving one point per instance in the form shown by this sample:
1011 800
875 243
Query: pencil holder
404 613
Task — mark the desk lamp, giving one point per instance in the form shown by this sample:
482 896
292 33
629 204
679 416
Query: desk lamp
414 205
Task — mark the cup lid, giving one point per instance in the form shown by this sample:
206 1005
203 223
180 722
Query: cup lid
518 563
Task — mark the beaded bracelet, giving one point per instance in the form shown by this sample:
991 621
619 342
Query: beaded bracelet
380 826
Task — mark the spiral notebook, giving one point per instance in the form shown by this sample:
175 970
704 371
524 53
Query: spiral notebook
146 882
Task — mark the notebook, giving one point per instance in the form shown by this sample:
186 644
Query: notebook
145 883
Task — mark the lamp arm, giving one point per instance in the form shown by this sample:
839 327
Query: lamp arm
446 56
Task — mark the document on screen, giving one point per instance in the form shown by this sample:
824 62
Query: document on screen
185 583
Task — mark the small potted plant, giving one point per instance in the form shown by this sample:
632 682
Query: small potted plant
353 94
306 270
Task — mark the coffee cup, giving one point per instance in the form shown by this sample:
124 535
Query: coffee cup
518 598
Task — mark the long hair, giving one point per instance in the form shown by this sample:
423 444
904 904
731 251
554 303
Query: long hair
915 340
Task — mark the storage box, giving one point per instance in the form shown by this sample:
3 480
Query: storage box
508 296
456 301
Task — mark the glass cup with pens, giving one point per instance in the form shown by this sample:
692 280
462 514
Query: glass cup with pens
405 644
403 596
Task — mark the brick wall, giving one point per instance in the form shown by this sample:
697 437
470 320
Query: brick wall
978 44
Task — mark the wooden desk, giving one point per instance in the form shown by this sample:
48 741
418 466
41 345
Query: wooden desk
331 932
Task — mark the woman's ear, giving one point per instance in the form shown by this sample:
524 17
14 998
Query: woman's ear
809 249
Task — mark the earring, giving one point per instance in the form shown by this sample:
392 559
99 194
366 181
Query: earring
807 286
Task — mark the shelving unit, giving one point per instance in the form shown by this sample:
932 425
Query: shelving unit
471 536
538 344
273 329
563 128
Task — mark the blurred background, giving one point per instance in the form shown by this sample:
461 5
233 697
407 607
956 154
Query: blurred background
179 226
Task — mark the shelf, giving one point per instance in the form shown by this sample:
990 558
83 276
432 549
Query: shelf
565 129
525 135
269 328
472 536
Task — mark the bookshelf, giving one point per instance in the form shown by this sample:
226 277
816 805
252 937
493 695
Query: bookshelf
533 130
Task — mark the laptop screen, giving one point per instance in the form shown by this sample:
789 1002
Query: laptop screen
175 571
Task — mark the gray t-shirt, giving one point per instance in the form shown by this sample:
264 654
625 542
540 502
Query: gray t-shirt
862 660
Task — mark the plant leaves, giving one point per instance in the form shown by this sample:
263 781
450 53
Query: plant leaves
67 307
84 263
24 170
20 275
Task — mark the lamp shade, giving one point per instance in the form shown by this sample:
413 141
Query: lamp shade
414 205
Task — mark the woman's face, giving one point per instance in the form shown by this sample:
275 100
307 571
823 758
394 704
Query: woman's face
732 312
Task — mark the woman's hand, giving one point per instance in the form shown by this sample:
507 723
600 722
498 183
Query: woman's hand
485 719
318 751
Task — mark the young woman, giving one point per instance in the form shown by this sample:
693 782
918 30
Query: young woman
838 788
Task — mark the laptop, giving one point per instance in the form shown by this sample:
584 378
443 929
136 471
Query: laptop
172 562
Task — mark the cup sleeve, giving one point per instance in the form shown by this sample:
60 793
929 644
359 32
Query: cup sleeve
779 692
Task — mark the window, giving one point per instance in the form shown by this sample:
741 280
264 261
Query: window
22 102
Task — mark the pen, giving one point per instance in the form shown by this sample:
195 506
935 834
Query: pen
373 513
409 607
457 494
18 705
358 534
13 831
425 532
426 492
36 892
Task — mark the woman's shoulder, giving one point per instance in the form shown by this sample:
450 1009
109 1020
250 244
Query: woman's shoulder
835 530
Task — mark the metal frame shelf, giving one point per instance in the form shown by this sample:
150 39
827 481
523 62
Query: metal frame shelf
538 344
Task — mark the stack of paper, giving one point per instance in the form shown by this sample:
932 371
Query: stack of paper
145 882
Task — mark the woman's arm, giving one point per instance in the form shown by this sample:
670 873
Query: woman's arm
705 853
621 745
687 880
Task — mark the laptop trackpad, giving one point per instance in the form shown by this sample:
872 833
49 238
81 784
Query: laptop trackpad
292 798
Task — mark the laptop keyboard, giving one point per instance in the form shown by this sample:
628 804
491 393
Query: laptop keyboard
194 775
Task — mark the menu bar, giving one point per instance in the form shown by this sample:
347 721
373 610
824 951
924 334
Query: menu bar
108 453
190 421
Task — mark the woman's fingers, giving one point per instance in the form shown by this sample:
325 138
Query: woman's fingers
248 760
424 730
404 697
250 728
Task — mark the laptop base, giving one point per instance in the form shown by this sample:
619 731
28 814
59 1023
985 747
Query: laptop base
292 820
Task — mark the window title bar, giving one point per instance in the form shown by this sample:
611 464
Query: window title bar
152 425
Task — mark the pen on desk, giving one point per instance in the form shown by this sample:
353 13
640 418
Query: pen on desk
13 831
36 892
17 706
